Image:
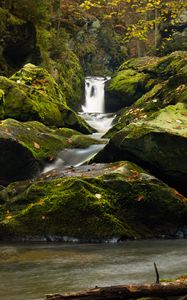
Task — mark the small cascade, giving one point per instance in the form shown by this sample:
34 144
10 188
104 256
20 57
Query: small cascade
93 113
73 157
94 95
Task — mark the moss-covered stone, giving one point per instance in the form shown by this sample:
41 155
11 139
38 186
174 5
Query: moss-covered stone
124 89
120 200
33 94
157 143
167 86
161 67
25 147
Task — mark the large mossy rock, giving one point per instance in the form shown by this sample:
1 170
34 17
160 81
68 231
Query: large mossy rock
167 86
26 147
33 94
124 89
115 200
159 144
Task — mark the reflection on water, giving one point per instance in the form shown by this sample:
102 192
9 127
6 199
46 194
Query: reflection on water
29 271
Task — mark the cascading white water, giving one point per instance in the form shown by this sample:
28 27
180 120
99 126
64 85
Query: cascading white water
94 109
94 95
93 113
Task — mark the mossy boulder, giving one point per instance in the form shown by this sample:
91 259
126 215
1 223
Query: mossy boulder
160 68
124 89
33 94
166 86
26 147
159 143
116 200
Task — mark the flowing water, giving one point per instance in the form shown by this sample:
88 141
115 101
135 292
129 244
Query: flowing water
94 95
73 157
29 271
93 113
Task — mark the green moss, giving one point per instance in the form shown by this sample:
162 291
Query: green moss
167 86
33 94
139 64
127 82
62 63
42 141
126 87
123 201
170 65
2 103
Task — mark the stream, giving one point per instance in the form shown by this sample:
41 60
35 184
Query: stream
93 111
29 271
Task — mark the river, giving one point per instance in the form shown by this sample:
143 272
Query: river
29 271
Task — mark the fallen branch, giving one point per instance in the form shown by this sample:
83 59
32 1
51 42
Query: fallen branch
157 274
126 292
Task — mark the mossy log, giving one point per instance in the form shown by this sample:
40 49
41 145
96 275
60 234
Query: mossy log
126 292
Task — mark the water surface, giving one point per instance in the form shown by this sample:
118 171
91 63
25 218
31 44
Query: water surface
29 271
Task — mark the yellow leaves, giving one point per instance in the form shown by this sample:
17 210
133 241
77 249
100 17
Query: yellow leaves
8 217
36 145
140 198
40 202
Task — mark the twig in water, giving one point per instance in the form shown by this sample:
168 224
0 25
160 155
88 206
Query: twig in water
157 274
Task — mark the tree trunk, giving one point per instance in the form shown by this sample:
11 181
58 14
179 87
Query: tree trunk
138 46
156 28
126 292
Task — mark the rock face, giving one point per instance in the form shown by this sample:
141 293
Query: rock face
115 200
153 131
33 94
156 83
158 144
18 42
26 147
124 89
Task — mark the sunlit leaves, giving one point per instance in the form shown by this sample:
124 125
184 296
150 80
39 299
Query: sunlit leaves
139 16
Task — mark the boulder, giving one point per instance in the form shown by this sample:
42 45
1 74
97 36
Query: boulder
158 143
33 94
26 147
124 89
167 85
99 202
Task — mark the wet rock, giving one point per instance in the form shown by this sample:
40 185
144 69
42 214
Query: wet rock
157 143
33 94
167 85
118 200
26 147
124 89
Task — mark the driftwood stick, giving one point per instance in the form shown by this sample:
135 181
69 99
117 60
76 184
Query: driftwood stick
157 274
126 291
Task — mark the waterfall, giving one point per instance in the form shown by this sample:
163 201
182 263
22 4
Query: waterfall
94 95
